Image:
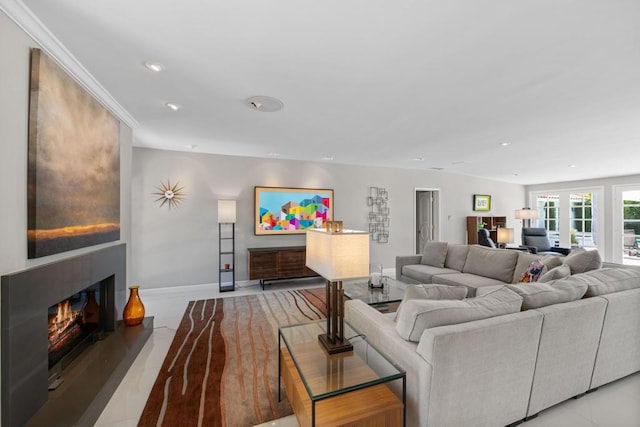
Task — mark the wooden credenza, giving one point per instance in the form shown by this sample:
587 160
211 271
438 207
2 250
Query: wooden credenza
278 263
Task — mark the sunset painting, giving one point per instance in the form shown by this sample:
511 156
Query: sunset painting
74 164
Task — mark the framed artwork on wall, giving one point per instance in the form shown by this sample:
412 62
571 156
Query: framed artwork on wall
73 183
481 202
284 210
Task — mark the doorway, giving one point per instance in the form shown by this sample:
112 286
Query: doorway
427 217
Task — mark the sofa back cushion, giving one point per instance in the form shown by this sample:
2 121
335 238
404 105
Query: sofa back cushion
418 315
522 264
456 256
609 280
432 291
581 261
494 263
536 295
434 254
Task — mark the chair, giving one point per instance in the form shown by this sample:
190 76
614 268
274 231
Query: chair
537 241
484 238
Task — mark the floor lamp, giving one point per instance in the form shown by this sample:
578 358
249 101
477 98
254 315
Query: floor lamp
526 214
336 255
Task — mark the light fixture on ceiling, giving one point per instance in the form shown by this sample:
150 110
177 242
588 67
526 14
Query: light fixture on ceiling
573 166
172 106
154 66
418 159
264 104
505 144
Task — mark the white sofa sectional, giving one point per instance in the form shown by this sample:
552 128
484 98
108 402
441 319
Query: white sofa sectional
487 368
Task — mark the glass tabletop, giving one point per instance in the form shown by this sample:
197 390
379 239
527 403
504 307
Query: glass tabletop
393 291
325 375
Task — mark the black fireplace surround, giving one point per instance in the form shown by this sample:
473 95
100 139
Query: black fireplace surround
26 296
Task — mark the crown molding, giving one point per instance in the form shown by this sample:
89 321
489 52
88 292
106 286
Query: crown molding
19 13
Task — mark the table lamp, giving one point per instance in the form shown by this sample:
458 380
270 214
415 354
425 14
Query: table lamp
336 255
505 235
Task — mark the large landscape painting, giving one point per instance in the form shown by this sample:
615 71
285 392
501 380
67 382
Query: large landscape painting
74 164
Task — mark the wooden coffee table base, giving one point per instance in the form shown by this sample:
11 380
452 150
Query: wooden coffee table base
374 406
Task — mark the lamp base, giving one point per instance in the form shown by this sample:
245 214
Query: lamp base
332 348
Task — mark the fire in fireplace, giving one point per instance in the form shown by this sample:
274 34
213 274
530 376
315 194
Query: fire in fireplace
73 324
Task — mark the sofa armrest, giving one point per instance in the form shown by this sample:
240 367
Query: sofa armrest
402 260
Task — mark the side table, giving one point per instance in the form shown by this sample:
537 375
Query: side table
344 389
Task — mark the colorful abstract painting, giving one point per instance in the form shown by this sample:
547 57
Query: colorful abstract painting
291 210
74 164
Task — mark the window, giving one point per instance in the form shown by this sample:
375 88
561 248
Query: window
548 214
581 230
631 226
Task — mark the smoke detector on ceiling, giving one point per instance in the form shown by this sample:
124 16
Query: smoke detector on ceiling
265 104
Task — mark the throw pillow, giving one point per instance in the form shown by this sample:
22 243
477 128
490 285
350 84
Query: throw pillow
434 254
532 273
559 272
418 315
431 291
583 261
539 295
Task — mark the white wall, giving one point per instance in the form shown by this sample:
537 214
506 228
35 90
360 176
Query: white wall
608 214
180 246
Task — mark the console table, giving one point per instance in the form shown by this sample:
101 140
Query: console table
277 263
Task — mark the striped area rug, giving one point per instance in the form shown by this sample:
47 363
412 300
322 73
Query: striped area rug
222 366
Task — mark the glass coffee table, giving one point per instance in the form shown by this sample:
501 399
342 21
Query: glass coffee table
383 299
349 388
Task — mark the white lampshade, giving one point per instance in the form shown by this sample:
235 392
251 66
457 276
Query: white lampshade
505 235
338 256
226 211
526 213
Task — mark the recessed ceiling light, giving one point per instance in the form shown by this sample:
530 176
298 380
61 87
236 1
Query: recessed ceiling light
171 105
573 166
419 159
504 144
154 66
264 104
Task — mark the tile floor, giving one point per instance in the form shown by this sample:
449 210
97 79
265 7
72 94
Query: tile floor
614 405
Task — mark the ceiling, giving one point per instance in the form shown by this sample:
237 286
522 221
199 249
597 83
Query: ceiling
408 84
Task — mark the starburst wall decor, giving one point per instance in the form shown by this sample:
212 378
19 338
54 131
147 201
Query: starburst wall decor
171 195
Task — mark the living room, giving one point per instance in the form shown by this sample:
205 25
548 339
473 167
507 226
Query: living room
177 247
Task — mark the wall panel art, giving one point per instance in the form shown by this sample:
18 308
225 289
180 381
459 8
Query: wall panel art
74 164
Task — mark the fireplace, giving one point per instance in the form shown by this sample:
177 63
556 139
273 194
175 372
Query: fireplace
26 299
73 324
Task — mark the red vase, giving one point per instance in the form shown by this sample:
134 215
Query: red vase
133 314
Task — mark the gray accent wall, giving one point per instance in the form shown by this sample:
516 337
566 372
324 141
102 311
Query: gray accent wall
180 246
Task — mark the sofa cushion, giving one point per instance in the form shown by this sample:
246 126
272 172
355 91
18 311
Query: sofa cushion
432 291
581 261
536 295
532 273
609 280
494 263
424 273
552 261
456 256
434 254
559 272
418 315
471 281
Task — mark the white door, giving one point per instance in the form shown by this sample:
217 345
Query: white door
426 202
